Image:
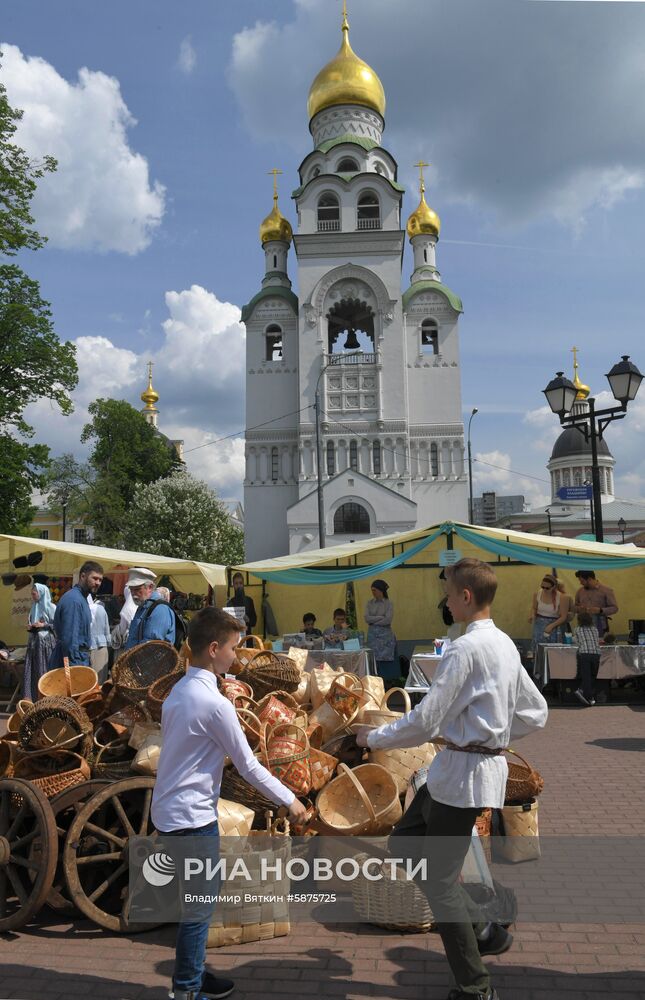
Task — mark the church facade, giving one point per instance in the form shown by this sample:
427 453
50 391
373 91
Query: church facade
357 368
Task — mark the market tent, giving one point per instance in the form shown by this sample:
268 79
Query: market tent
64 558
413 560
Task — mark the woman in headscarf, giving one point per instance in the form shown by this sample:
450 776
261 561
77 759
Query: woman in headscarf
379 612
41 641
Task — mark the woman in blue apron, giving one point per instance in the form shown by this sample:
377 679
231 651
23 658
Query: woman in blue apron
381 639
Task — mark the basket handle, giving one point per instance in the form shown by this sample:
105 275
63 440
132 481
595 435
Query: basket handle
519 756
68 676
257 641
406 698
109 746
344 769
272 731
354 685
253 717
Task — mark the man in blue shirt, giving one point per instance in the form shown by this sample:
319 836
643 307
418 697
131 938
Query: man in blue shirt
150 621
73 619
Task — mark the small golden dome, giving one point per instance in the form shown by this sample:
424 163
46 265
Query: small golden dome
346 80
150 396
424 220
275 226
583 390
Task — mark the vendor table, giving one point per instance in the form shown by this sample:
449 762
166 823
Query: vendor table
360 662
418 680
616 662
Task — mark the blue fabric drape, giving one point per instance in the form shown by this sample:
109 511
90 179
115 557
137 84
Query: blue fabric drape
543 557
304 575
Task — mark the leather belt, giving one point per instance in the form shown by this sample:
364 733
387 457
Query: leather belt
476 748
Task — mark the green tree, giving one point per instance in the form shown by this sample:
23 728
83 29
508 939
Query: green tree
182 517
67 487
126 454
34 364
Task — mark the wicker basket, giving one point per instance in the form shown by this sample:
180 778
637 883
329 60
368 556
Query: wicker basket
250 724
402 763
520 840
363 801
248 921
126 717
277 707
54 773
159 691
284 751
330 720
267 672
73 720
9 754
344 746
234 820
323 767
69 682
523 781
113 761
346 696
397 903
236 789
142 665
245 653
233 688
382 716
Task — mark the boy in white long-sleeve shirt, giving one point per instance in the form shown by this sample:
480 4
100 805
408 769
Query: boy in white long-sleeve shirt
199 727
481 697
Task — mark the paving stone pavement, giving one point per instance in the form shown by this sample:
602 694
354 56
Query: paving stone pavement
592 762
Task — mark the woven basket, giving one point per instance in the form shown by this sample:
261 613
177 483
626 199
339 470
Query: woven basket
346 696
54 773
245 653
523 781
344 746
129 715
267 672
73 720
159 691
314 735
113 761
323 767
397 903
13 722
236 789
374 689
321 680
142 665
234 820
232 688
69 682
248 921
330 720
363 801
284 751
382 716
277 707
520 840
250 724
9 754
402 763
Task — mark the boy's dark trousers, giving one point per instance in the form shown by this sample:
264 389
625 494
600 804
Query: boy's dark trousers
588 666
444 834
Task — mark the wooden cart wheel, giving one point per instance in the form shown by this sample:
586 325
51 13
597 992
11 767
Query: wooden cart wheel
65 807
95 856
25 816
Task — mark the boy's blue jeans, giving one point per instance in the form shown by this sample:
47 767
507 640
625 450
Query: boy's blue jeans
190 948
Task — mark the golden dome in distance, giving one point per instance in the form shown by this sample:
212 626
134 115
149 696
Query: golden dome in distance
423 221
346 80
275 226
583 390
150 396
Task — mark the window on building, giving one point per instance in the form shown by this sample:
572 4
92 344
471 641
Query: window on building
347 166
369 211
353 456
275 261
376 455
566 477
429 337
328 214
380 169
275 465
434 460
80 536
273 343
557 481
44 533
351 519
331 459
577 477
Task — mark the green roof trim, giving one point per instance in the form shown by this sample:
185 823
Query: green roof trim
432 286
271 291
358 140
347 178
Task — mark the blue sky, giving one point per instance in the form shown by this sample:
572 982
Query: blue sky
165 119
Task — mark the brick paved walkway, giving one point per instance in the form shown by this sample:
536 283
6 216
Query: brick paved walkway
592 761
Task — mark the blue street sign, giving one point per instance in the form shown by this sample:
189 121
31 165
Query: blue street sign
575 492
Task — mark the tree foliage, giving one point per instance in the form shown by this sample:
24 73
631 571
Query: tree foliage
182 517
22 471
68 485
127 453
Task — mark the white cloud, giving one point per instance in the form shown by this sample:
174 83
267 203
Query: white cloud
198 373
507 109
101 196
187 56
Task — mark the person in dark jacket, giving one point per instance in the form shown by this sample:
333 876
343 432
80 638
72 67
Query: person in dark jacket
73 619
151 620
240 600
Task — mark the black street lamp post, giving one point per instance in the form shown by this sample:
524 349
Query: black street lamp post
624 380
470 469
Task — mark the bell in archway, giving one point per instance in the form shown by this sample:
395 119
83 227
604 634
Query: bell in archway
352 344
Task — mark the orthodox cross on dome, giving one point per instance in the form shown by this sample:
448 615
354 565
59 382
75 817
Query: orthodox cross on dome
345 18
421 164
583 390
275 173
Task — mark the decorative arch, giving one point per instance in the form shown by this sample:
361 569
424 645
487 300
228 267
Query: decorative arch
352 517
351 273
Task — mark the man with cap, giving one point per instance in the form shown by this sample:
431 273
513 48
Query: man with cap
154 618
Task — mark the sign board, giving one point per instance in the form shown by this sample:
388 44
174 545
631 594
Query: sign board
575 492
20 607
449 557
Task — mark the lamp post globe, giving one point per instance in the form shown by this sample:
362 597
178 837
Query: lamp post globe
625 380
560 394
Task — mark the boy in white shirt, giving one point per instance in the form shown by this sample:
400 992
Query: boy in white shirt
199 728
481 697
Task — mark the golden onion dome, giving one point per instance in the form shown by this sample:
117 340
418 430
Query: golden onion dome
583 390
275 226
346 80
150 396
424 220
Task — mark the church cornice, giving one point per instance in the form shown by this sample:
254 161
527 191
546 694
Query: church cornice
349 179
364 243
270 291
